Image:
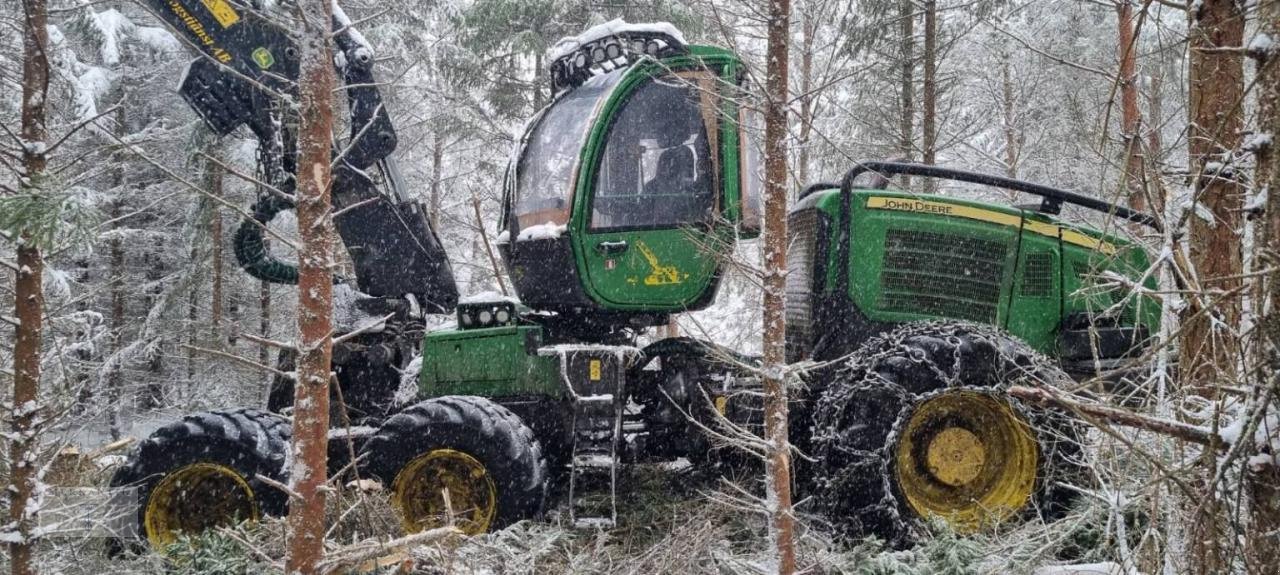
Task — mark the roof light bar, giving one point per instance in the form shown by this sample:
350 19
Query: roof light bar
607 47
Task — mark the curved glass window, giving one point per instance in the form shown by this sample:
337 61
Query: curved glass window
658 166
548 164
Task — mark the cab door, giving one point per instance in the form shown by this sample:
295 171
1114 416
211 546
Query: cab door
648 237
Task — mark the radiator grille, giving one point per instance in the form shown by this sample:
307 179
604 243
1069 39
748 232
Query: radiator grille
942 274
802 253
1037 275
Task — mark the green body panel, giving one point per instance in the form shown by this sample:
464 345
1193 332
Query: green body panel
668 269
490 362
1033 296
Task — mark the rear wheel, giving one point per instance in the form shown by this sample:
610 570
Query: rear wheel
203 472
462 455
919 425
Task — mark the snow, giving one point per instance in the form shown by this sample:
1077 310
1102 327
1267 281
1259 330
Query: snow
593 461
341 17
1256 203
355 431
488 297
568 45
1104 568
1261 44
347 315
157 39
546 231
1257 141
408 390
114 27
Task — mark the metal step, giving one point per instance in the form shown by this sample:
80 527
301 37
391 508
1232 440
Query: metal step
594 377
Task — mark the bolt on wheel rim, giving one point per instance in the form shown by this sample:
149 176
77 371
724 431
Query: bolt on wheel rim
420 490
967 458
194 498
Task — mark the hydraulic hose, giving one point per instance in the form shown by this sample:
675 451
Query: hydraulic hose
251 250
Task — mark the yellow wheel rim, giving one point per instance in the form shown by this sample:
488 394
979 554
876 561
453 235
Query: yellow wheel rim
194 498
421 487
967 458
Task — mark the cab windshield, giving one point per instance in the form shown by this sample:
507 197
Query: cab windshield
545 177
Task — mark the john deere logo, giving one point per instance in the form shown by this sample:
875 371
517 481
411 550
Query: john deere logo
263 58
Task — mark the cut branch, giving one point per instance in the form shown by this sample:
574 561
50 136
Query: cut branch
1048 398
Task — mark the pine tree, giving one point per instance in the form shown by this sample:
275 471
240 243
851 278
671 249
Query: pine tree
778 451
316 84
20 532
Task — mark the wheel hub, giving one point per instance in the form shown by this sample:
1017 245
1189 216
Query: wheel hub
955 456
441 483
194 498
967 457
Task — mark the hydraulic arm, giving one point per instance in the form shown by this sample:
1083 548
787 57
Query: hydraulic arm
246 75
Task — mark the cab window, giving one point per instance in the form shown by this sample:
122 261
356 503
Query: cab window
549 161
660 162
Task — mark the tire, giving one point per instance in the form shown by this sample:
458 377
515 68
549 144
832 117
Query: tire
875 428
430 441
222 452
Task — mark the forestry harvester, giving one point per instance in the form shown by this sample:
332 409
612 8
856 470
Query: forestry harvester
624 198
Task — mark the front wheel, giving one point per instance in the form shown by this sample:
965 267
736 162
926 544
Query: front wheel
919 425
205 471
462 458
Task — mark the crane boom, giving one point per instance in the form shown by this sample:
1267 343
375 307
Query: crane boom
246 72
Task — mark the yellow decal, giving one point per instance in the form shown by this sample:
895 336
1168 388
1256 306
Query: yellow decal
943 209
722 403
1079 239
1041 228
222 10
972 213
193 24
593 369
659 274
263 58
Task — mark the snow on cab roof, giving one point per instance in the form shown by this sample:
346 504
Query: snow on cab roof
615 27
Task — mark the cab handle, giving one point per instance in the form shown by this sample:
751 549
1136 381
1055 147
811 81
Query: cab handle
612 248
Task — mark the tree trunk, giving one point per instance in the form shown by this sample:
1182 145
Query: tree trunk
28 301
1216 87
1152 154
1263 487
264 320
1207 354
215 238
316 83
437 159
778 462
929 117
1130 116
1008 105
810 27
906 121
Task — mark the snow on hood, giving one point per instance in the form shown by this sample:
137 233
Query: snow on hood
569 44
488 297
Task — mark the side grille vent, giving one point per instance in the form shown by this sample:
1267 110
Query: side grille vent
942 274
804 228
1037 275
